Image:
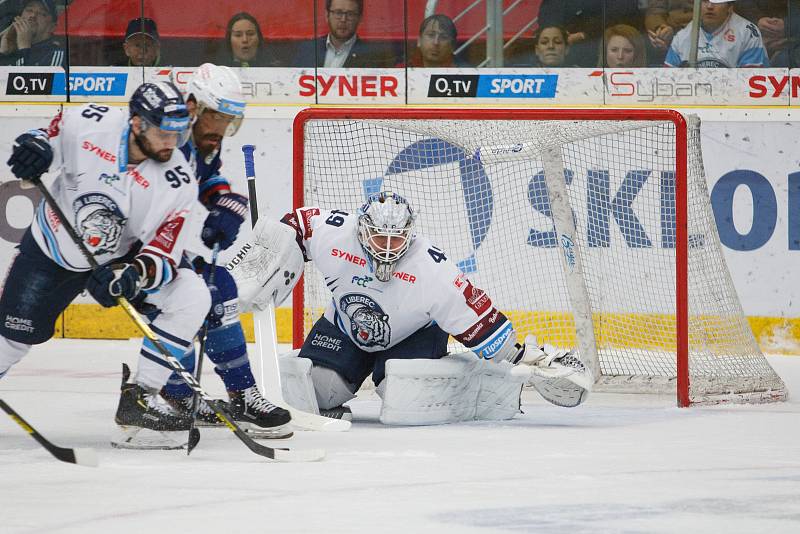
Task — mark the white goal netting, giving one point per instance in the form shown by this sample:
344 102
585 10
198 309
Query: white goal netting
570 226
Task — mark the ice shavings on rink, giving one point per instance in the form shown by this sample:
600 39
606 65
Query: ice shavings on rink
633 464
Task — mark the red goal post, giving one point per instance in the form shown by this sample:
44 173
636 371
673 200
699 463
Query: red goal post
565 139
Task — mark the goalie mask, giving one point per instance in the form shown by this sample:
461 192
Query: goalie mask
385 230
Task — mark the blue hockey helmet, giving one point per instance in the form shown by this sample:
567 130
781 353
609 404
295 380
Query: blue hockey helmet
161 105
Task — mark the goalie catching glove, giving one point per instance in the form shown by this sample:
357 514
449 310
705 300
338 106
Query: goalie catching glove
267 268
558 375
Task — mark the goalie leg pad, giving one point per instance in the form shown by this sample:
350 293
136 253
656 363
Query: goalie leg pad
297 385
309 387
268 266
331 388
449 390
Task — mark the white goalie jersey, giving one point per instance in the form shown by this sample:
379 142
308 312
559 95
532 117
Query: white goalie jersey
425 288
112 206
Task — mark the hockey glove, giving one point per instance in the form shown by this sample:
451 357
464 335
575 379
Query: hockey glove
31 156
140 304
110 281
217 311
222 224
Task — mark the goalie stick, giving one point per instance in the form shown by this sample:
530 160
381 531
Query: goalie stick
85 457
267 341
284 455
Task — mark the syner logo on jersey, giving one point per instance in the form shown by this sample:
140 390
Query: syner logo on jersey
99 221
368 324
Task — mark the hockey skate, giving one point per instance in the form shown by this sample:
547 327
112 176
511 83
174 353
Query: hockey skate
340 412
259 417
205 415
146 421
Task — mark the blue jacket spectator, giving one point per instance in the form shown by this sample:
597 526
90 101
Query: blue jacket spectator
29 40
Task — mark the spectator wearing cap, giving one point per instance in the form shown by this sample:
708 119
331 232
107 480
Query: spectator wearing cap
436 44
726 40
142 45
29 40
245 45
342 47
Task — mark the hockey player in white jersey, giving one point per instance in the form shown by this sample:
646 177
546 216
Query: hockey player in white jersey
128 193
395 300
726 39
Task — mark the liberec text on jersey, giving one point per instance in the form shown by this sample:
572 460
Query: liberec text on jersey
347 300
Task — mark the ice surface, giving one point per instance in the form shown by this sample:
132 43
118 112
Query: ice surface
632 464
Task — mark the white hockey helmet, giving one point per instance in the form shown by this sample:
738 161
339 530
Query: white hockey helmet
218 88
386 230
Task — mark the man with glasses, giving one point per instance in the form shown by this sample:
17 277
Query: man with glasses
341 47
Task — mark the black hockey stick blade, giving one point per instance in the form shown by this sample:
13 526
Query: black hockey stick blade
194 439
85 457
277 454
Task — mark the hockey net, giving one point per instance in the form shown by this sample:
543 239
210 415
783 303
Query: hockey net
590 229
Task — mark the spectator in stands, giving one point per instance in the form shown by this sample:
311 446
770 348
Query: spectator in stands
29 40
436 44
584 21
142 46
623 47
664 18
551 46
342 47
771 18
726 40
245 45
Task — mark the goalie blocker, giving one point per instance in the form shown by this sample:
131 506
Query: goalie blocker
478 388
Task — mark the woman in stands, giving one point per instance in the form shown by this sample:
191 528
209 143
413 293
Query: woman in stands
551 47
244 44
622 46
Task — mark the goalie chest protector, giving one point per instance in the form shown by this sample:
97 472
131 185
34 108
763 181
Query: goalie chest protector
426 287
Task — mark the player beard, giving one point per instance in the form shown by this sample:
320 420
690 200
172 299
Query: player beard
208 144
144 145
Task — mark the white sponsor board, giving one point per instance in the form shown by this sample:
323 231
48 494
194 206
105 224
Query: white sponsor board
683 87
753 170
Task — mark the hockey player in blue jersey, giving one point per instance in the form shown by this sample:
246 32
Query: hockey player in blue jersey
215 100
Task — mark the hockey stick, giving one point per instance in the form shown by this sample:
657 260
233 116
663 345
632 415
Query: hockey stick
267 341
286 455
85 457
194 433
